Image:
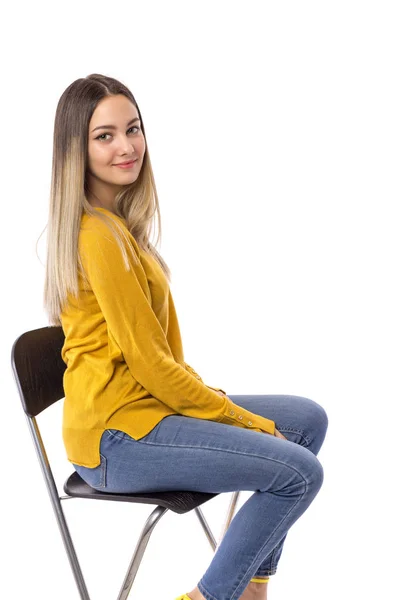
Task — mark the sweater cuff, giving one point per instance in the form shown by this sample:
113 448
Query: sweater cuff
240 417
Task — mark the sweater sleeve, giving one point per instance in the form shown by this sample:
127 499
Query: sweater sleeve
125 302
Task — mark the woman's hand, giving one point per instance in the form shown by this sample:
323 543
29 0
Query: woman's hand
277 433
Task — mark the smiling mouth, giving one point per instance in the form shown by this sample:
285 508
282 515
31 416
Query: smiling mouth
126 164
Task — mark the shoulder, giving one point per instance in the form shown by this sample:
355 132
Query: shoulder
105 230
101 220
102 224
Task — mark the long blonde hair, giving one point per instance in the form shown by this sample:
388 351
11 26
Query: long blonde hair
137 203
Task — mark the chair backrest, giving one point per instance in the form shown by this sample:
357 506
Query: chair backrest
38 368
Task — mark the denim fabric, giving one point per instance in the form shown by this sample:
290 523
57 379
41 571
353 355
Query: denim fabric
184 453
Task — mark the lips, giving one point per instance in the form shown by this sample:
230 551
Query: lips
125 164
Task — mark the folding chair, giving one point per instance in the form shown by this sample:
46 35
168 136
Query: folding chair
38 370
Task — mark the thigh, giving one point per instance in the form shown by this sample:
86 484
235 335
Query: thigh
185 453
301 420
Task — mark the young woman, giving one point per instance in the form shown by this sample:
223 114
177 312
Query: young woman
134 409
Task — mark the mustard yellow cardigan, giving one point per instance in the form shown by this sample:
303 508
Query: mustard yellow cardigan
123 351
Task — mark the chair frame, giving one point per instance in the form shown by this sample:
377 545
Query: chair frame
188 500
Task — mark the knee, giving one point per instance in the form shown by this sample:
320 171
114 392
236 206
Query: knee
321 418
311 474
318 420
322 426
303 475
315 474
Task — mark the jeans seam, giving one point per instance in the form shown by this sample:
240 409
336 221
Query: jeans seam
273 566
103 471
120 437
294 430
220 450
204 590
236 452
272 533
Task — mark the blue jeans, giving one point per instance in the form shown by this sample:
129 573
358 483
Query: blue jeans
185 453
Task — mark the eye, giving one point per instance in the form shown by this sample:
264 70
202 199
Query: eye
101 137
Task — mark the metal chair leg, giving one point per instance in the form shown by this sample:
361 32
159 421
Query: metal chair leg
229 517
55 501
148 528
230 514
141 545
206 528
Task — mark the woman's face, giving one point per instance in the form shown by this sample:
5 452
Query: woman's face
114 137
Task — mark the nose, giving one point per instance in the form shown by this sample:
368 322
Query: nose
125 146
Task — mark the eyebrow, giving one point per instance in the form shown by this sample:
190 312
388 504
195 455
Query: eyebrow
113 126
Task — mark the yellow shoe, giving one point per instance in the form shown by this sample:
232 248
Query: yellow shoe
255 579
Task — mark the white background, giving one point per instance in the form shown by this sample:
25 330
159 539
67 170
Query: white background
273 128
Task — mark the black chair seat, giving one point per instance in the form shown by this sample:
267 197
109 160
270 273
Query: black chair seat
179 502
